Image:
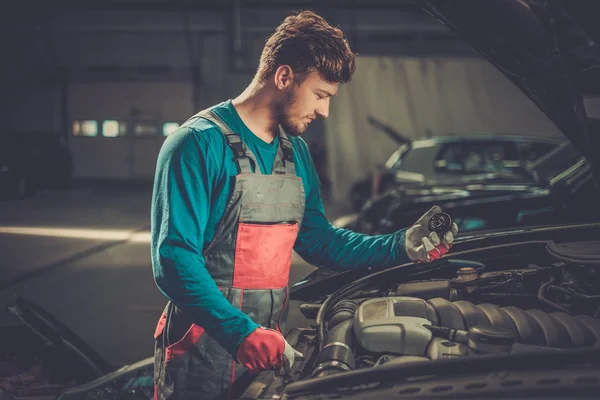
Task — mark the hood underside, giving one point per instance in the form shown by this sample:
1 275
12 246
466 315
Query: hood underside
547 48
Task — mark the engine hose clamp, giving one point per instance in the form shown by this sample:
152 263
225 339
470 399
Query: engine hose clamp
331 364
337 344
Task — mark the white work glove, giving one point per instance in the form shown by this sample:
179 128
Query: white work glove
422 245
289 357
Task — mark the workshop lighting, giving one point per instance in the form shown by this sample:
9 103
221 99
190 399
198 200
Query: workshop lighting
76 233
113 128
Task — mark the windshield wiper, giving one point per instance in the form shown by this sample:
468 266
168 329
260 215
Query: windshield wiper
396 373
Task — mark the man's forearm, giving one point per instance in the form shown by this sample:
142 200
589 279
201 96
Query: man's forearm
184 280
342 249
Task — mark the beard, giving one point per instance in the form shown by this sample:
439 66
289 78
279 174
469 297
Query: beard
283 112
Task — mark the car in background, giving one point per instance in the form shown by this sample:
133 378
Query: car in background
30 161
453 159
557 188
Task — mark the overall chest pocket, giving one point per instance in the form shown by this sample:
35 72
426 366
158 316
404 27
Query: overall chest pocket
263 254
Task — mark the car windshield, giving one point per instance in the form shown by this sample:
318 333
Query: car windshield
415 158
478 157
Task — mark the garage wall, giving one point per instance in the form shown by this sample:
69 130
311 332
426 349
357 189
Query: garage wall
127 156
420 97
32 107
104 60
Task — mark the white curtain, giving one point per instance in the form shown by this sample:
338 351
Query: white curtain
420 97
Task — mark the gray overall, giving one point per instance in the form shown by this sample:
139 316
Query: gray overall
249 259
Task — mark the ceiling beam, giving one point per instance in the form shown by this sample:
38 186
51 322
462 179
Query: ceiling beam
398 28
215 5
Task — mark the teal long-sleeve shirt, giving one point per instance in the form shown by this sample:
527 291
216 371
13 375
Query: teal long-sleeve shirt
191 189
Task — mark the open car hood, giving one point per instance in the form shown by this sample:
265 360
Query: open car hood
392 133
548 48
56 334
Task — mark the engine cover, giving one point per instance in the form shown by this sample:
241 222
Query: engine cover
393 325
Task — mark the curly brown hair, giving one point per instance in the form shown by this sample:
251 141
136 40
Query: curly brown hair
307 43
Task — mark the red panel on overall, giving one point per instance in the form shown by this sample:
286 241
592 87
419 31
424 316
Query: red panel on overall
160 326
185 344
263 255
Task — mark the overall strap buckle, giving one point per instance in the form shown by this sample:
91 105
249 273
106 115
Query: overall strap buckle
287 153
240 154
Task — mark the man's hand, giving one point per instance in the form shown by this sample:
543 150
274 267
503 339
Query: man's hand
422 245
266 349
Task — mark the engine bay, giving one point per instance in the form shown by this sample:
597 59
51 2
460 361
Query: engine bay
533 309
468 313
417 317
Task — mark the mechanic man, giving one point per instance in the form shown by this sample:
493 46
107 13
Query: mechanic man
235 192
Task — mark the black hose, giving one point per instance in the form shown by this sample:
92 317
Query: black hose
342 311
575 294
341 333
336 354
544 300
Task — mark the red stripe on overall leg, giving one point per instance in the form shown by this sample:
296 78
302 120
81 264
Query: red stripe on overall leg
233 362
189 339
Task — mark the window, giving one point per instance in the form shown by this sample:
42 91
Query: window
146 128
417 159
85 128
478 157
112 128
169 127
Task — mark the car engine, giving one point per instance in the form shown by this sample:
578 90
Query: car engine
533 309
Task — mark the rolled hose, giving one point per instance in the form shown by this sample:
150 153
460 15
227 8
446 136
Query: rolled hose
336 355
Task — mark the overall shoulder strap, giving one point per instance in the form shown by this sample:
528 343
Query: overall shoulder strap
241 155
284 161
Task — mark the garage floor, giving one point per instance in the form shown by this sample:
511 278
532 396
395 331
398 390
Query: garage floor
84 256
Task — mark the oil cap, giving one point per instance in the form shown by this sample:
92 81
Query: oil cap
439 223
490 339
